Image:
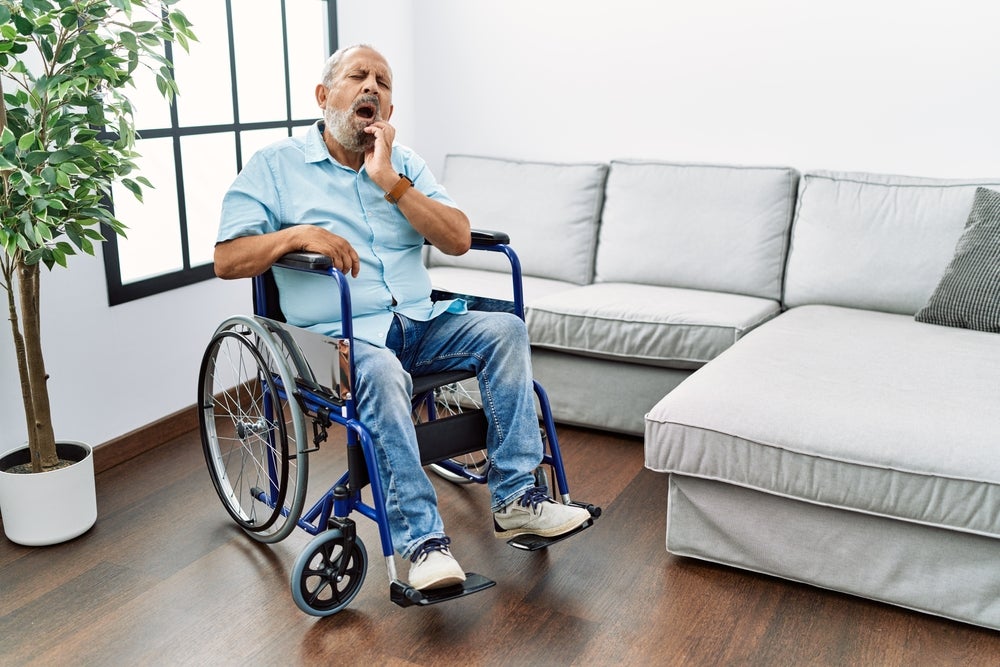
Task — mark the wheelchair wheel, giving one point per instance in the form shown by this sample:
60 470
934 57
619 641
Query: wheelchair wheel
327 575
450 400
252 434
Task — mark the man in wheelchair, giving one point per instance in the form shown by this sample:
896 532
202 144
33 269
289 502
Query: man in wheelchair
345 190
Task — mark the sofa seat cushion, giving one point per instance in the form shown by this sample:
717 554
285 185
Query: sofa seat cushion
860 410
493 284
659 326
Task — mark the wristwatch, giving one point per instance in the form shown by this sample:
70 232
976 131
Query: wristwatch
399 189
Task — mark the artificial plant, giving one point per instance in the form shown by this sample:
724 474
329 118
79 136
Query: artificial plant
66 134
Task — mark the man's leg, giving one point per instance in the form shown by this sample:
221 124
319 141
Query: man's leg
383 391
495 346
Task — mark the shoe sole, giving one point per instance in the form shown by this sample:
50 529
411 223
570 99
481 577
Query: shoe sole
551 532
444 582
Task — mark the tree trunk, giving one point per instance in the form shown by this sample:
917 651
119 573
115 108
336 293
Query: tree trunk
41 437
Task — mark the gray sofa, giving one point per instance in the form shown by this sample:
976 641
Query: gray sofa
635 273
757 325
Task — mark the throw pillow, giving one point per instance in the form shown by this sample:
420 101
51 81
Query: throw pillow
968 295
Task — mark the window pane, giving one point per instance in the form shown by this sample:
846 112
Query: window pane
153 245
152 110
260 72
209 168
306 54
203 76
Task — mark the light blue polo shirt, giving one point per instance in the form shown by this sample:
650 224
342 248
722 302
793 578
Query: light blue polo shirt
296 182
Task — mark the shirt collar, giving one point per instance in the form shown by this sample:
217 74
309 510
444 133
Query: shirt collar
316 150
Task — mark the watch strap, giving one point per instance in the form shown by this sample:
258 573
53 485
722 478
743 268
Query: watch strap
399 189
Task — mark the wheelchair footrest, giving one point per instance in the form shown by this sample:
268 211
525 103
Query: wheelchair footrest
535 542
408 596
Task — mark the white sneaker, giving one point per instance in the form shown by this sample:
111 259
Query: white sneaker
535 513
434 566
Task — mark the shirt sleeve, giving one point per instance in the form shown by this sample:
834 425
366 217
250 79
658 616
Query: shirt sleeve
415 169
252 204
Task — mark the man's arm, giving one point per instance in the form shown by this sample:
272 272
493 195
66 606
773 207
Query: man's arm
249 256
447 228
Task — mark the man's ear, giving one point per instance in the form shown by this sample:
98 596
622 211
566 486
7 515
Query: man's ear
321 94
389 115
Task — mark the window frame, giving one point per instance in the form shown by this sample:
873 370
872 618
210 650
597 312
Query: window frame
119 292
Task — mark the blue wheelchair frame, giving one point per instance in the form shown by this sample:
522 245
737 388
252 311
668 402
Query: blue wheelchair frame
328 518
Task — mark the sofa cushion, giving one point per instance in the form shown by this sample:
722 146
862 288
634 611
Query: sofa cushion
712 227
861 410
874 241
658 326
551 212
969 292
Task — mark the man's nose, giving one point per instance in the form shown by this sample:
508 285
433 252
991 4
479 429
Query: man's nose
371 85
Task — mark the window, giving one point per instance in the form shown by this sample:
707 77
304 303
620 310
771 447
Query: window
248 81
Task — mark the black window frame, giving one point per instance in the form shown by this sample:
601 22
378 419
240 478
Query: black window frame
119 293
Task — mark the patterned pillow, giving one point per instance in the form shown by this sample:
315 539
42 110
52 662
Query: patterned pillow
968 295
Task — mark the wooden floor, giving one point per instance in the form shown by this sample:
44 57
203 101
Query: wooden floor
164 578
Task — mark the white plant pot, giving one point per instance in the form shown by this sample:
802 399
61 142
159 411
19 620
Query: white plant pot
48 507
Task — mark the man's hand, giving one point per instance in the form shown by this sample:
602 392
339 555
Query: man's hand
378 158
250 256
310 238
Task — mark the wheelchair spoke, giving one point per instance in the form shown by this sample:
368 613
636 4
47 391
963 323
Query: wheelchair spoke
247 428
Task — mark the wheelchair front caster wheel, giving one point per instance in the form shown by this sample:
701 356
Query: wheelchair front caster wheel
328 573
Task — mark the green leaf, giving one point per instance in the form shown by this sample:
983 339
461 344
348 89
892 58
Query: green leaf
144 26
71 169
26 141
59 256
23 25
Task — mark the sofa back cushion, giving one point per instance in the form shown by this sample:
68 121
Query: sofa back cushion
713 227
874 241
551 212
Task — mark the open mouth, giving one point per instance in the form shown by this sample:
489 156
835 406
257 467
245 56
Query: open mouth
366 110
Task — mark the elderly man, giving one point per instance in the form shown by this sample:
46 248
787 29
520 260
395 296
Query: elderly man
346 190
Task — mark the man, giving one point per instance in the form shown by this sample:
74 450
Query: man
346 191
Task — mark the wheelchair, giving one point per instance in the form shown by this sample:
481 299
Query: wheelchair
268 392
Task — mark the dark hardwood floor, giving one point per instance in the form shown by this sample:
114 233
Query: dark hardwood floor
165 578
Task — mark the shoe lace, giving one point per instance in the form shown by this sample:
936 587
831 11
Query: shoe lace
432 544
535 496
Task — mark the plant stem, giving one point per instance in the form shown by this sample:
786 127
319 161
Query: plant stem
41 436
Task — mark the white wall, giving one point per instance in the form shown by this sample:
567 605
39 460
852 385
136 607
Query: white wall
903 86
113 370
387 25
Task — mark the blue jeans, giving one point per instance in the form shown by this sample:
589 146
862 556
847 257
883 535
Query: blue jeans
494 346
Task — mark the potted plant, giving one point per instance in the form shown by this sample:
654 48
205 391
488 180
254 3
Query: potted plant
66 134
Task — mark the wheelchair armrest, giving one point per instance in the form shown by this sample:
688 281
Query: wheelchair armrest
489 237
314 261
485 237
309 261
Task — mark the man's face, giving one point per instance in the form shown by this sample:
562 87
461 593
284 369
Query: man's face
359 95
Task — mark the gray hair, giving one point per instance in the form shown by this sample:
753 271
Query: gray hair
333 62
